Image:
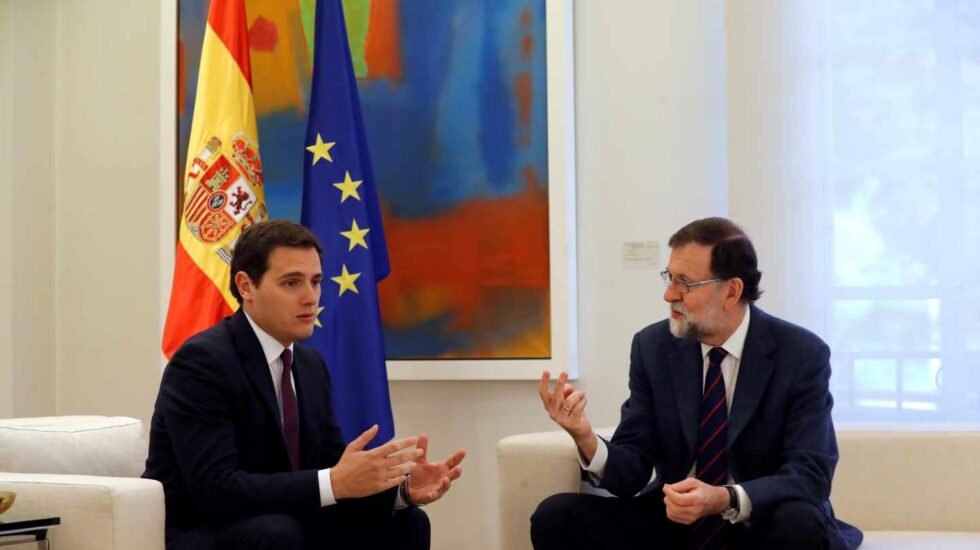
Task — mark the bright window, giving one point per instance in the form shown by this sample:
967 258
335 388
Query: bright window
904 287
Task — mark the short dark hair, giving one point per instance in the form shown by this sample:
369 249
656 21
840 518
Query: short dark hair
252 250
732 253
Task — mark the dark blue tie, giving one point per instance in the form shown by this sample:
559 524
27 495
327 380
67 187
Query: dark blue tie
712 465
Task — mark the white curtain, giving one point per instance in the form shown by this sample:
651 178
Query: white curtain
854 163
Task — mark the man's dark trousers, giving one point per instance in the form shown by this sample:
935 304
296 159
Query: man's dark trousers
571 521
326 529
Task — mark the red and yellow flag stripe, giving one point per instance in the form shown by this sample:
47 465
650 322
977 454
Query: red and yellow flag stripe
222 180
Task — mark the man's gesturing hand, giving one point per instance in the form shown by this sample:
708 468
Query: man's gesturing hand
566 407
360 473
691 499
431 480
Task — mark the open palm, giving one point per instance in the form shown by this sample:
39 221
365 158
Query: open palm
431 480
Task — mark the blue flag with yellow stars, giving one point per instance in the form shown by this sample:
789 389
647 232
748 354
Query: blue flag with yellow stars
340 205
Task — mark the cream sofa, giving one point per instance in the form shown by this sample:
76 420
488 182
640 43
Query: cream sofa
86 470
905 490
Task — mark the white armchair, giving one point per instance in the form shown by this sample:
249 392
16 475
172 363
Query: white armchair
84 469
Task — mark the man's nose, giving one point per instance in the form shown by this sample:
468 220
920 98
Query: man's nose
312 294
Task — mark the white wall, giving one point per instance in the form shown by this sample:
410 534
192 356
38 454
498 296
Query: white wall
778 104
81 207
27 317
651 156
108 207
6 223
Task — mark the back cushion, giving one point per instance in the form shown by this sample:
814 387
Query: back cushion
902 480
84 445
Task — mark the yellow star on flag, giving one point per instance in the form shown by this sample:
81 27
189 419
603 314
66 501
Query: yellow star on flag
321 150
348 187
316 320
346 280
356 235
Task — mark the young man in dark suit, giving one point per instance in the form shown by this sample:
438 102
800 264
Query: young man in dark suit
729 404
243 436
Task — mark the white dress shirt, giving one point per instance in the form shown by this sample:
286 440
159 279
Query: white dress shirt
729 371
273 349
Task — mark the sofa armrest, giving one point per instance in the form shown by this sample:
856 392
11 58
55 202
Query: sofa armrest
97 513
531 467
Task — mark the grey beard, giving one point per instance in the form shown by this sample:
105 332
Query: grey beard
687 329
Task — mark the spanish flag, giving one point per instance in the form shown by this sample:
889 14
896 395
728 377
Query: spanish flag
223 191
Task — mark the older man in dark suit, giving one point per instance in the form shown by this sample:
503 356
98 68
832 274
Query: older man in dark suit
244 439
729 404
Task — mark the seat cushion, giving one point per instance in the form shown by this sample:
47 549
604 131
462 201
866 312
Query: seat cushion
84 445
97 513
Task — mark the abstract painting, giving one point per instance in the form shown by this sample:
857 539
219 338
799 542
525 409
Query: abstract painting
455 101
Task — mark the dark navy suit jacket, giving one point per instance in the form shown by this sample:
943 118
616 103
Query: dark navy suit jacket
215 438
781 442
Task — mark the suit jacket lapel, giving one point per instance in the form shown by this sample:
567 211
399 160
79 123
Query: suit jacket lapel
686 366
253 362
754 372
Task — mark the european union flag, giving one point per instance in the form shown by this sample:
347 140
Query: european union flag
340 205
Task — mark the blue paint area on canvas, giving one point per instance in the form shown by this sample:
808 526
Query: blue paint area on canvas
496 113
447 133
419 340
282 137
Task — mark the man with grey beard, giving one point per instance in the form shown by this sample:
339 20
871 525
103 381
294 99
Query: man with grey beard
735 469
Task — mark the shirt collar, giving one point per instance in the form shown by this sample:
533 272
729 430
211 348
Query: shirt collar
270 346
736 342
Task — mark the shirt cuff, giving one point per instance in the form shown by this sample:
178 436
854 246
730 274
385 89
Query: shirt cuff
598 465
399 501
744 505
326 488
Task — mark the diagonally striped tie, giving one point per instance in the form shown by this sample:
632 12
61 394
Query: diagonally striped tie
712 465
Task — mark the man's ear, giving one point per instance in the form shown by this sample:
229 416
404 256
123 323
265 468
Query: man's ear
244 284
734 292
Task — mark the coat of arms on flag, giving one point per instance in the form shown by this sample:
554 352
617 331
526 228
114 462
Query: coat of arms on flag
223 193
